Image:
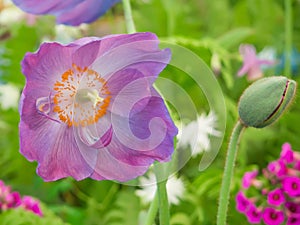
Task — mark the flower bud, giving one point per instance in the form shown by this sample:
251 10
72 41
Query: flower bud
265 100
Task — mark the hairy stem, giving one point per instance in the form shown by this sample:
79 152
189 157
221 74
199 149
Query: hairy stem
228 174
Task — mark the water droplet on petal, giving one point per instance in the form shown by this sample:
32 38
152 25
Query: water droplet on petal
43 105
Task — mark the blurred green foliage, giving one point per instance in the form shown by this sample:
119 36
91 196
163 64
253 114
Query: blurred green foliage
207 27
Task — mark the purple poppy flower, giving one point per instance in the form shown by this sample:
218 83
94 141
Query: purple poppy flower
291 185
276 197
251 63
287 153
89 109
242 202
248 178
69 12
253 214
272 216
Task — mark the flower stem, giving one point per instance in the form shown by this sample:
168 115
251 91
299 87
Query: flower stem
161 182
288 37
152 210
128 17
228 174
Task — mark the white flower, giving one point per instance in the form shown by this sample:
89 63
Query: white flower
197 133
10 14
66 34
175 189
9 96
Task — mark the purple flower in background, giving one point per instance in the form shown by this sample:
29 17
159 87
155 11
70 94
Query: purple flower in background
291 185
253 214
272 216
248 178
276 197
69 12
251 63
89 109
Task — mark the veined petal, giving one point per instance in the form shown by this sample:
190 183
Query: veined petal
49 63
64 158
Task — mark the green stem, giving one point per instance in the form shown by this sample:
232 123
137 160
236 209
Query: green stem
288 37
228 174
164 216
152 210
161 182
128 17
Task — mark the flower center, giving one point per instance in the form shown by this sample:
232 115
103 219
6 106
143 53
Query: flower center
81 97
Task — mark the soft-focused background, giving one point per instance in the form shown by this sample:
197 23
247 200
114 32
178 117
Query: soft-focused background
214 30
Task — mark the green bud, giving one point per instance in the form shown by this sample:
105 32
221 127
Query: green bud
263 102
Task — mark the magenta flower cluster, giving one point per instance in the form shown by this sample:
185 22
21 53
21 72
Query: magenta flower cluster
11 199
274 196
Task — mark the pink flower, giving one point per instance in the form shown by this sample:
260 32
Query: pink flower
253 214
291 185
31 204
251 63
276 197
89 109
293 209
287 154
273 216
278 168
293 221
248 178
242 202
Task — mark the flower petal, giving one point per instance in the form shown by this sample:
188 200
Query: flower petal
110 168
149 132
130 53
85 12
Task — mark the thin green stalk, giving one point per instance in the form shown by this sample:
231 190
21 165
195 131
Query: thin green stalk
288 37
228 174
164 216
152 210
161 182
128 17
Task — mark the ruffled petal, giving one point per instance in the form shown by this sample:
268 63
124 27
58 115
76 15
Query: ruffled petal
48 64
